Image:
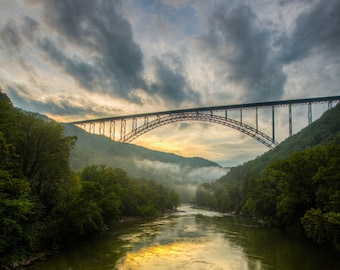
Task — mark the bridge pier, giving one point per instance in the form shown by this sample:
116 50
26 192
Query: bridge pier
273 123
122 130
112 130
290 120
257 119
310 113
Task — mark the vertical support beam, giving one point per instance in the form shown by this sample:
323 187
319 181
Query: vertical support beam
122 130
134 125
241 116
310 118
102 128
330 105
290 121
257 119
93 128
273 123
226 114
146 121
112 130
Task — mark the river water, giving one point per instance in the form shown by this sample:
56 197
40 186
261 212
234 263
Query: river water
193 239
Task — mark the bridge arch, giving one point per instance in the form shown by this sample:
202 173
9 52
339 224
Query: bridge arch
162 120
207 114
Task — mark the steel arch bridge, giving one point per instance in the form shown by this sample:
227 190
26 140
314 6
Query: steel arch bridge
114 126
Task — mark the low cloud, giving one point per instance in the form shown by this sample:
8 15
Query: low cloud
183 179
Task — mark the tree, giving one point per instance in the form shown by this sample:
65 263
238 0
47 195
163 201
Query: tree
43 151
16 210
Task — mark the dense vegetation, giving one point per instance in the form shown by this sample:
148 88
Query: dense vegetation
43 203
295 186
96 149
172 171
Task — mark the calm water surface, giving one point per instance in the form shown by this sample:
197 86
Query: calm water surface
194 239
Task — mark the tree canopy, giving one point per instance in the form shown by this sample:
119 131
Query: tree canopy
43 203
295 186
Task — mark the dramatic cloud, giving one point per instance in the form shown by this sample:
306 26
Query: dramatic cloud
10 36
98 29
63 106
82 59
243 51
85 74
171 83
317 31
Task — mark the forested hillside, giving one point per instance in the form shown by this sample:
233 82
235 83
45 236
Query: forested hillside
295 186
176 172
322 131
44 204
96 149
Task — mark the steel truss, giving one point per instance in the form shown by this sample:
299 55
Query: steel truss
199 116
207 114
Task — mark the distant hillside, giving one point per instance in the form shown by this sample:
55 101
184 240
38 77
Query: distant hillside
322 131
92 148
182 174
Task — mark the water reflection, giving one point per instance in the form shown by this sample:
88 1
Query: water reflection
183 242
194 239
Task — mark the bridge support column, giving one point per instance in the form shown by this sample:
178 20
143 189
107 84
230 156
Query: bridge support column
330 105
310 113
273 123
93 128
102 128
290 120
112 130
241 116
257 120
146 121
122 130
134 125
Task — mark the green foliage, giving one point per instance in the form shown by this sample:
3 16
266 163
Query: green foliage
43 203
43 156
204 196
261 196
126 196
287 193
295 186
16 216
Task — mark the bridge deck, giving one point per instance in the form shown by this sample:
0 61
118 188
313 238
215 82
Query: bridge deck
218 108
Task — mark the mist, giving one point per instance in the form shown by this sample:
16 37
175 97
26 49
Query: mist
182 179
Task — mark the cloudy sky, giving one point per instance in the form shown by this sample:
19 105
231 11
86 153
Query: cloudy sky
85 59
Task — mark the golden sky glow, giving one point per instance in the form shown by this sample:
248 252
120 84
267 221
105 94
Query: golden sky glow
76 60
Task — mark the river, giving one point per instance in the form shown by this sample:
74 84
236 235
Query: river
193 239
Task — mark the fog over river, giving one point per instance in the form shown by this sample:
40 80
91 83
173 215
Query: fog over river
193 239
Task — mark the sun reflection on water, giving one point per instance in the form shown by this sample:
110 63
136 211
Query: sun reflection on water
181 255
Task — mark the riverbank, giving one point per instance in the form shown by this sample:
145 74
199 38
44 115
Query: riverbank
43 255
